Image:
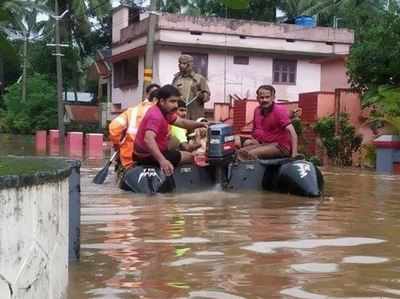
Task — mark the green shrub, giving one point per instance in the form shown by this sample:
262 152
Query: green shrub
39 112
341 147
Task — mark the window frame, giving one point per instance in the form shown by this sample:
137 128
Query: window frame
284 67
241 60
124 77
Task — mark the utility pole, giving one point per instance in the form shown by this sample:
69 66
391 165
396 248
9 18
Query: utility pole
25 65
60 101
148 63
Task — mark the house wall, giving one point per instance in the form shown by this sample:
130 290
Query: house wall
326 104
261 43
120 20
333 75
242 80
254 29
129 95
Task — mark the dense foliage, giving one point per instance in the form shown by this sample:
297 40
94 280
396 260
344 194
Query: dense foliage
374 59
38 112
339 147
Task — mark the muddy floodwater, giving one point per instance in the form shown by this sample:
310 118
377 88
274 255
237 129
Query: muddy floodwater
218 245
250 245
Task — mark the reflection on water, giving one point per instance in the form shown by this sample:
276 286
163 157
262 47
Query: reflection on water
19 145
232 246
223 245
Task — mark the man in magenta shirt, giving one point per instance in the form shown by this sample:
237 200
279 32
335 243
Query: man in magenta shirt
273 134
151 143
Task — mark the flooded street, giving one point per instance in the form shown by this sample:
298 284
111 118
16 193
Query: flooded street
232 246
219 245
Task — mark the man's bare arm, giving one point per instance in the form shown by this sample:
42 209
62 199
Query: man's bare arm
165 165
294 139
189 124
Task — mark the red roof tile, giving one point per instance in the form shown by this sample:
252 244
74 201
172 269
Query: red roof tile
82 113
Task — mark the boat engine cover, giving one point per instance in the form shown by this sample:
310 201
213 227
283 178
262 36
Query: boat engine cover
220 141
148 180
300 177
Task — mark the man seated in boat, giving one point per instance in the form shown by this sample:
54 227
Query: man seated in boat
273 135
151 143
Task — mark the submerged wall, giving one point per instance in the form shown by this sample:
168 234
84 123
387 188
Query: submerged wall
34 232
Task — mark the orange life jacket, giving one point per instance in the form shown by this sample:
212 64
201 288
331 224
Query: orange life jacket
123 130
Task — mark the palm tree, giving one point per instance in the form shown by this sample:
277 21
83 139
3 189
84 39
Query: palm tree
22 25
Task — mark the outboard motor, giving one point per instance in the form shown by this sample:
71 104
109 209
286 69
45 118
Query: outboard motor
220 149
300 177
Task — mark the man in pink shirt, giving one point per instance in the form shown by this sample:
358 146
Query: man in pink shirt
273 134
151 143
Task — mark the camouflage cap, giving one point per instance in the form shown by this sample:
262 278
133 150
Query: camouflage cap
185 58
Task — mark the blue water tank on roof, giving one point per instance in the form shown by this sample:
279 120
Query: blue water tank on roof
305 21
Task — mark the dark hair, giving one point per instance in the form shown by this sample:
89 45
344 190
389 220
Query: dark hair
153 94
168 91
266 87
151 86
181 104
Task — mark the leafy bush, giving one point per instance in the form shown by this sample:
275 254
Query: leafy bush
341 147
368 155
386 101
39 112
3 124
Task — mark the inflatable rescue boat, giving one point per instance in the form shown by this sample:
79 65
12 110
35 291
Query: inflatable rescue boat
283 175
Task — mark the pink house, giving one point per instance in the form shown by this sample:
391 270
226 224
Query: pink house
236 56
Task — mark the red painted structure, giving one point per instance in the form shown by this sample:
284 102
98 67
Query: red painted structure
53 142
94 145
41 141
74 144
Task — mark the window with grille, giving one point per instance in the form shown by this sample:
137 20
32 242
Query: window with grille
126 72
284 71
244 60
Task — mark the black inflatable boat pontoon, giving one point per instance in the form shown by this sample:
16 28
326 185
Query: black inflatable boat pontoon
281 175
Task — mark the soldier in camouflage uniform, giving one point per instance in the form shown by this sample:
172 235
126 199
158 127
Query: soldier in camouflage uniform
192 86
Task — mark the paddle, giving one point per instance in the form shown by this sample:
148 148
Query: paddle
103 173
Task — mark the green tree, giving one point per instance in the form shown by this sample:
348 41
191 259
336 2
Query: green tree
374 58
38 112
23 25
86 28
259 10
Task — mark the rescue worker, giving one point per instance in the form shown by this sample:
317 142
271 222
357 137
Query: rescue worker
151 143
192 86
273 134
123 129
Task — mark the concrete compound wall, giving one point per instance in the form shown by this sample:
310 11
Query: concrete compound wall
34 235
